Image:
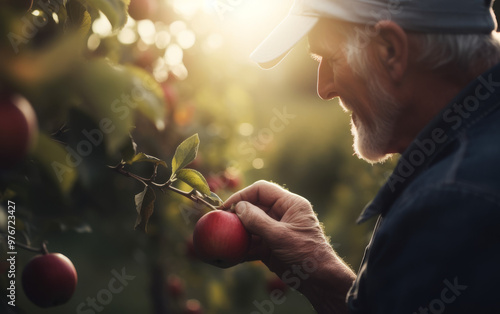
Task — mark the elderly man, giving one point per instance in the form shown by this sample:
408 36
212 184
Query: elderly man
419 78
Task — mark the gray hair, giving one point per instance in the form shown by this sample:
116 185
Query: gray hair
462 50
466 51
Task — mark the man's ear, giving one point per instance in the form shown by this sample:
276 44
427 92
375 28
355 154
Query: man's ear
392 49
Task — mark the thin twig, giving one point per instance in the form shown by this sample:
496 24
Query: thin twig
192 195
42 250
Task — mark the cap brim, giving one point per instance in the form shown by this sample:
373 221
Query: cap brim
282 39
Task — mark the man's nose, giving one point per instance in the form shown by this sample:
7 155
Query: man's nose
325 81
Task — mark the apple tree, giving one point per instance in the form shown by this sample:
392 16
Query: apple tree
107 161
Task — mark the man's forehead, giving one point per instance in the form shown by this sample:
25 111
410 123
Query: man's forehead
325 36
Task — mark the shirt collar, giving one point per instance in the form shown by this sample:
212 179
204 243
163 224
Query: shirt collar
477 100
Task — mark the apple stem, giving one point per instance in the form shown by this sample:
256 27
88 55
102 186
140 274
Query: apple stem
43 250
193 195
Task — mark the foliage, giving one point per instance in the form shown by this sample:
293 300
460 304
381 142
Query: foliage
116 100
104 105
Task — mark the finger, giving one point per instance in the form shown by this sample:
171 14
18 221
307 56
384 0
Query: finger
256 221
263 194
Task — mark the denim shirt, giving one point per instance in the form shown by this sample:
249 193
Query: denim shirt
436 245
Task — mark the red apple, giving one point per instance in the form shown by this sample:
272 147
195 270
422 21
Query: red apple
214 183
193 306
142 9
231 180
18 128
49 279
220 239
175 286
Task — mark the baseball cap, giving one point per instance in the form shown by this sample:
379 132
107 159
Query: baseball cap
428 16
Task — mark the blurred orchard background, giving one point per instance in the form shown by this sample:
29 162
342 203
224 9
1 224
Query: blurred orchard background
96 76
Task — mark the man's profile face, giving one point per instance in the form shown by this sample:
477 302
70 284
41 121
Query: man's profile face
373 111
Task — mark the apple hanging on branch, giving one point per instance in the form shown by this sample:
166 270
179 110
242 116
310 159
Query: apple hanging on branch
184 154
219 237
18 129
49 279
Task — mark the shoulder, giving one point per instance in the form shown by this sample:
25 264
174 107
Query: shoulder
443 235
437 244
469 164
461 186
443 229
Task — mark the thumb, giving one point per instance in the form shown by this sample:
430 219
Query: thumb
255 220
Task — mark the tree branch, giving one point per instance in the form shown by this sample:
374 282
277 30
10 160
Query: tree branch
193 195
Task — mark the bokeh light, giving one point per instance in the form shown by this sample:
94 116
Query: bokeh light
246 129
147 31
242 24
102 26
258 163
186 39
93 42
127 36
162 39
174 54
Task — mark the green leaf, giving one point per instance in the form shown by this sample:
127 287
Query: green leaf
148 96
185 153
214 199
75 14
115 11
144 202
54 158
129 150
105 93
106 96
194 179
86 24
76 19
141 157
113 95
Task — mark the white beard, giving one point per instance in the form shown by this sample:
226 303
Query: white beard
371 141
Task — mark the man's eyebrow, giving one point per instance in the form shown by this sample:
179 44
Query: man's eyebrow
315 55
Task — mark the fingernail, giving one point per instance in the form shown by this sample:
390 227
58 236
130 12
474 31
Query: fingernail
240 208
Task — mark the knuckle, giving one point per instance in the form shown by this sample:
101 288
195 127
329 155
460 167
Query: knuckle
262 183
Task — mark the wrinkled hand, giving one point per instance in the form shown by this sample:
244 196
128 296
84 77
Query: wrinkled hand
289 239
284 226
